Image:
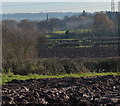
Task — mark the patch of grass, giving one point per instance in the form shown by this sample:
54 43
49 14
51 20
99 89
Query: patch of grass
77 47
108 45
81 30
47 36
74 31
59 32
58 40
63 39
9 77
82 46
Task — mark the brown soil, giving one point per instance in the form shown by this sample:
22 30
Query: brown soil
97 91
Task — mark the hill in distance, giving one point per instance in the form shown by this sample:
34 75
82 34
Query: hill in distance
37 16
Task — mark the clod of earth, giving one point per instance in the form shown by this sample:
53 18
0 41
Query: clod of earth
100 90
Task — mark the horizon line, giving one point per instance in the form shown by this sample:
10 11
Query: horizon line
56 12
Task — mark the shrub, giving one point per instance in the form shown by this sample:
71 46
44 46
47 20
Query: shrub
55 66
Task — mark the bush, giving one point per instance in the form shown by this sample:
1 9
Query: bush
55 66
103 66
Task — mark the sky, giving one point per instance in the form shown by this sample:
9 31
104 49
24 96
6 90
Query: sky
58 0
12 6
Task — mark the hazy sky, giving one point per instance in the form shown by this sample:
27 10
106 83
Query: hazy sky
58 0
25 7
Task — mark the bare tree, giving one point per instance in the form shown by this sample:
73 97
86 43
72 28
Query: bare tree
20 43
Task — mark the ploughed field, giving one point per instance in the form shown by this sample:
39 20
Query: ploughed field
87 52
71 91
81 48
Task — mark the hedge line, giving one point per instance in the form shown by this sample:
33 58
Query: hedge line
55 66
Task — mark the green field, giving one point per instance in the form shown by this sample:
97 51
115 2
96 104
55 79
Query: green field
81 31
74 31
64 39
10 76
59 32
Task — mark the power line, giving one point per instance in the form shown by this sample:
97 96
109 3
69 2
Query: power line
112 6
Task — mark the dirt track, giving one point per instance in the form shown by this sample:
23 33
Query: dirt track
64 91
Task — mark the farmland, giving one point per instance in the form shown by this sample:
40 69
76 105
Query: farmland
83 52
83 66
101 90
81 48
71 61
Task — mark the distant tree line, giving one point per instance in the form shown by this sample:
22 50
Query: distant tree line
21 38
95 21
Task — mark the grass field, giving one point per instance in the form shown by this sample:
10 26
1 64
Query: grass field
74 31
64 39
82 46
81 31
10 76
59 32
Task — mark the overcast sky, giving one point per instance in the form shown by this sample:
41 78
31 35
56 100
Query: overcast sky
58 0
12 6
